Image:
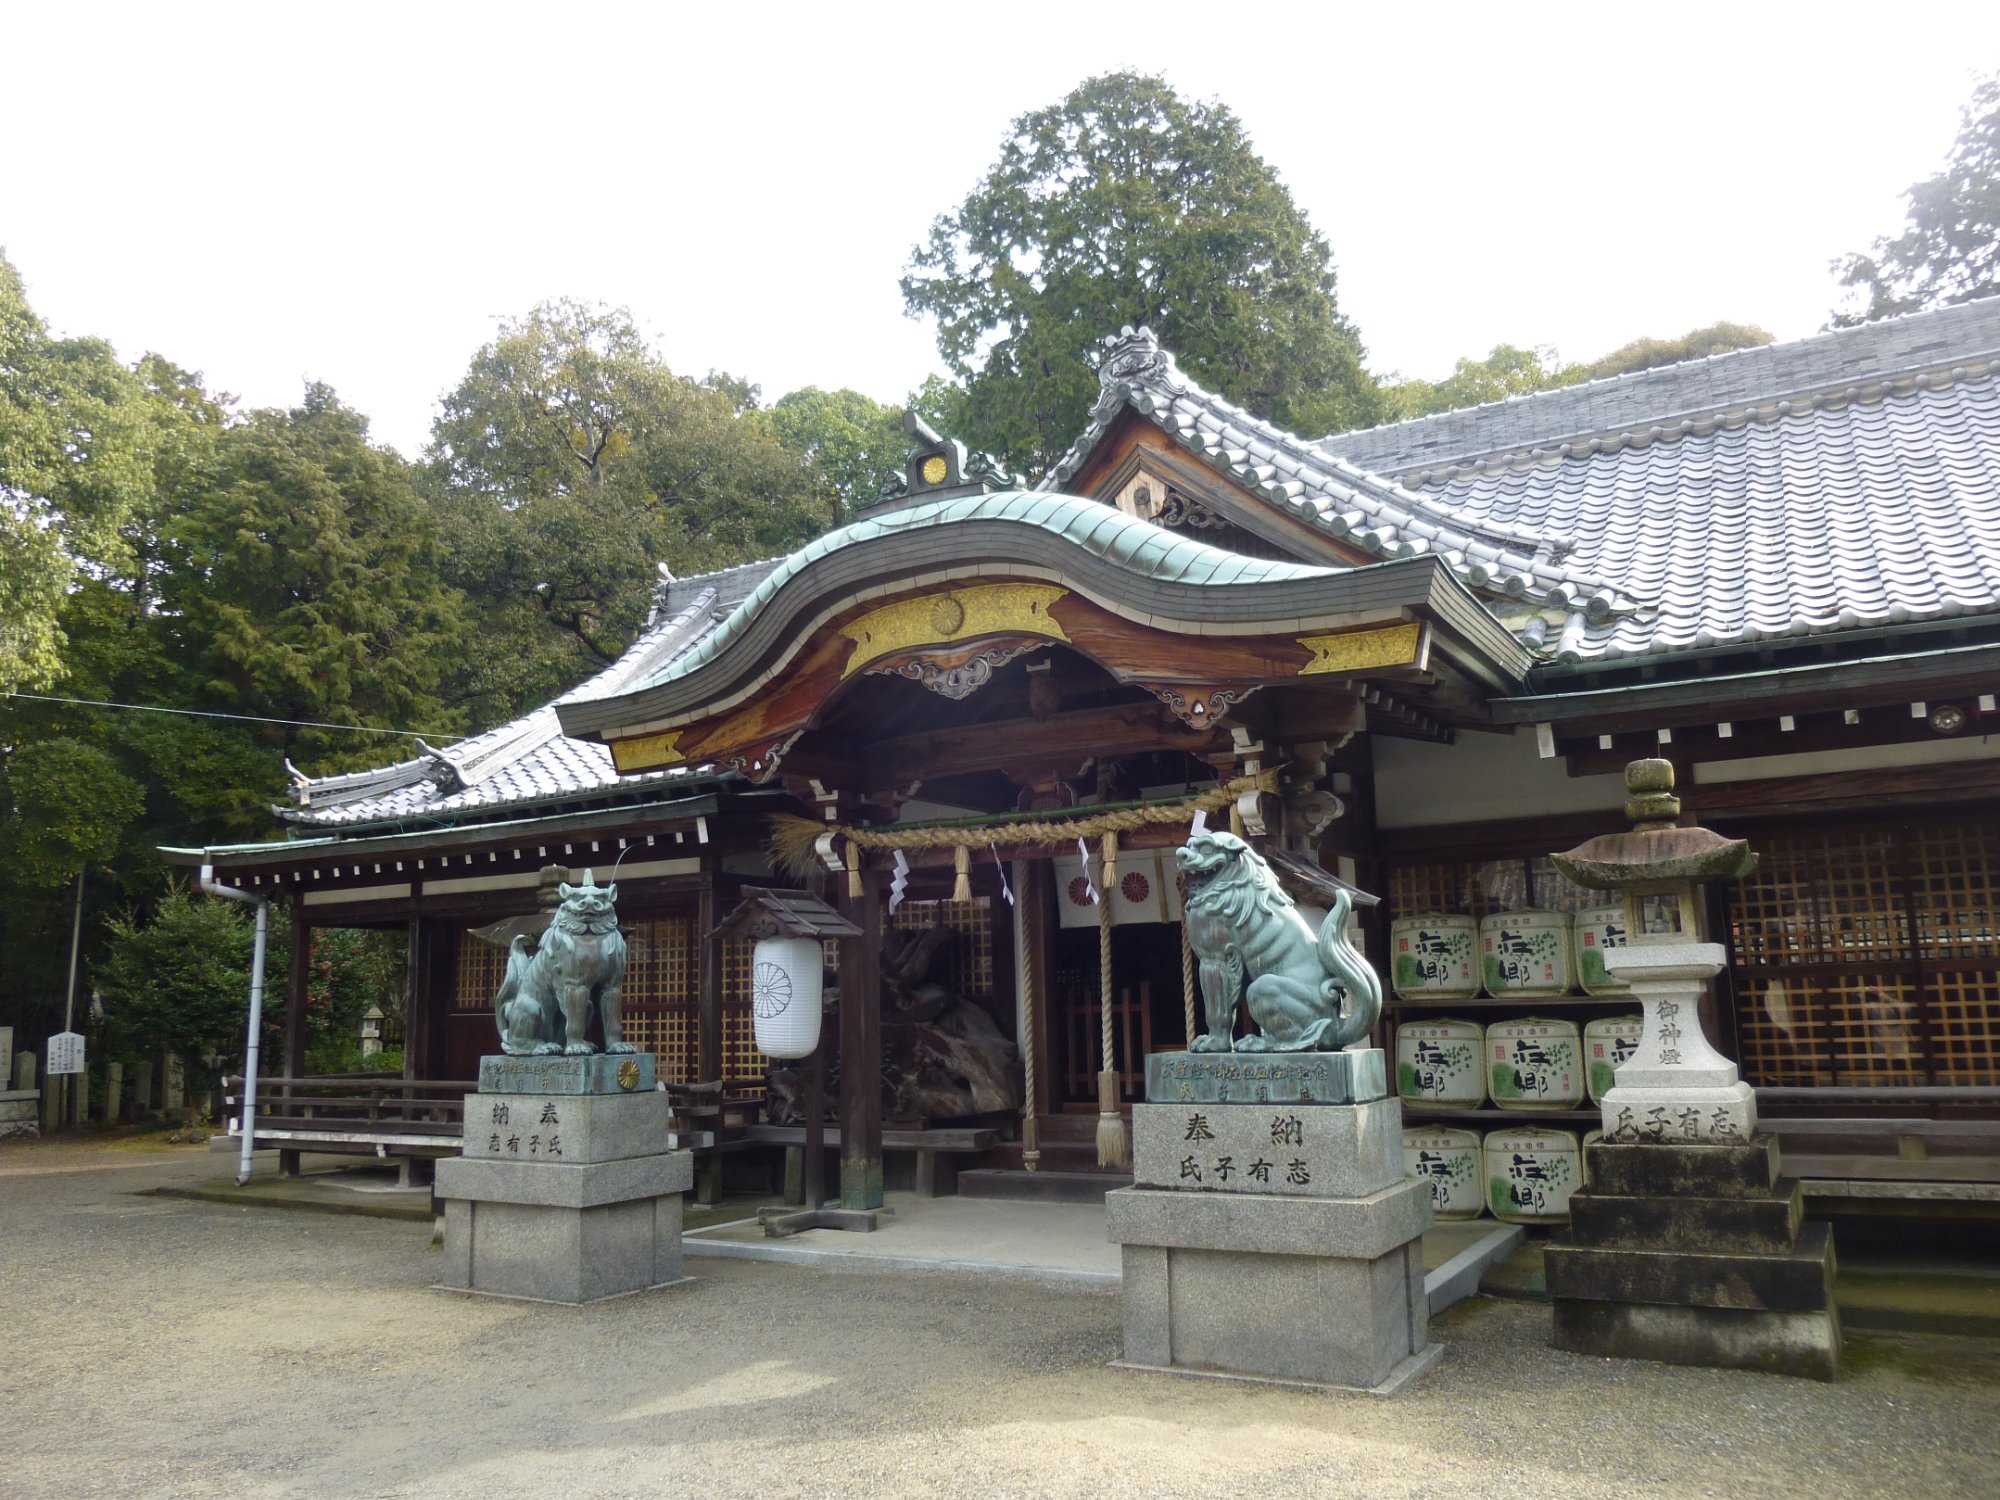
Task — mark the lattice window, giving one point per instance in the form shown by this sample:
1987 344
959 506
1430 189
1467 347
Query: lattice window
1965 1030
1953 896
970 959
1554 891
1474 889
481 967
1867 955
661 993
1820 898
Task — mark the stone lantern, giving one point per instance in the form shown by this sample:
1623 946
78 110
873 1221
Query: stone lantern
371 1030
1676 1087
1688 1246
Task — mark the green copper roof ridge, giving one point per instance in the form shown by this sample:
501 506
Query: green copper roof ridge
1088 524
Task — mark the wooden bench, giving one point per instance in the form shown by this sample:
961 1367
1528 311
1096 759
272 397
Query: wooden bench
712 1120
1888 1158
353 1114
937 1149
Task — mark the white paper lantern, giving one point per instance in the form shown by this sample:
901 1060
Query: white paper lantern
785 995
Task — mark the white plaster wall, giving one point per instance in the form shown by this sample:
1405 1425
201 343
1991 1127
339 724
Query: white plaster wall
1481 779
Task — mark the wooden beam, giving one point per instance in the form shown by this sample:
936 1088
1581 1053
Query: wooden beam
1942 675
991 747
1749 738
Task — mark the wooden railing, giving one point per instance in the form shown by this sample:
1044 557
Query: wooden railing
356 1111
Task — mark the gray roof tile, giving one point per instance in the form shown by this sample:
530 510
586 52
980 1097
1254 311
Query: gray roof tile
1833 485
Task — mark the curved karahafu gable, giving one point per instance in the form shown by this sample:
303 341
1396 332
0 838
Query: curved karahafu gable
944 591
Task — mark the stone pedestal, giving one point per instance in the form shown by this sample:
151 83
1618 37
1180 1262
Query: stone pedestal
565 1192
1274 1240
19 1112
1675 1087
1696 1255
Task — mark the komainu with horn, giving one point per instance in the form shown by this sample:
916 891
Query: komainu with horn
544 1003
1254 946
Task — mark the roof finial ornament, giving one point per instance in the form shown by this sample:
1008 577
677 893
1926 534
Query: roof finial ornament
1134 355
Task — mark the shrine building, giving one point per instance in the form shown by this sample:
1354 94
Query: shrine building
1411 661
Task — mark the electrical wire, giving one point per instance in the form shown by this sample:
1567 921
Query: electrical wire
195 713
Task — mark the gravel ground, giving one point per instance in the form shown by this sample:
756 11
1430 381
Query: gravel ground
164 1347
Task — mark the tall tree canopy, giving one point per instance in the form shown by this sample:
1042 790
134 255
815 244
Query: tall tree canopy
74 463
300 578
1125 204
569 462
848 442
1948 250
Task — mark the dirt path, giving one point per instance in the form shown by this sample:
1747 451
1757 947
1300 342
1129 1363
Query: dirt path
164 1347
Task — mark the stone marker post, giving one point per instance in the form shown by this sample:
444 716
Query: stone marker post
18 1105
114 1092
1688 1247
142 1088
566 1191
6 1058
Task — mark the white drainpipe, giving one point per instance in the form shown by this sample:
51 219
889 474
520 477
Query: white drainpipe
247 1122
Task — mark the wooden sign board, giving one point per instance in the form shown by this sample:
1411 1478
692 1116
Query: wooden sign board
66 1053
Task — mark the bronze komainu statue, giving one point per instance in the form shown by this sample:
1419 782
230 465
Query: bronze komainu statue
544 1002
1254 946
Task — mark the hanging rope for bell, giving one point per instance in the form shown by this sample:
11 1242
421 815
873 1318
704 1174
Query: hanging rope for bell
1114 1145
1187 974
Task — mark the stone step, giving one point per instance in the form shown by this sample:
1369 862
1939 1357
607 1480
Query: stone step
1040 1186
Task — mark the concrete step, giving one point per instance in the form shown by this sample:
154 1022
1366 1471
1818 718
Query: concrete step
1040 1187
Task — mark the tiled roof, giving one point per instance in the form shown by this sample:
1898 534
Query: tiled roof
1363 509
1819 490
1604 410
1143 549
1873 506
527 761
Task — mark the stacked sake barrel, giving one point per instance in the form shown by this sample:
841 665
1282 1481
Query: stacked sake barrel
1520 1169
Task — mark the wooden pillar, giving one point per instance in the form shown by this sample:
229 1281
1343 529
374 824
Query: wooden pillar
708 1030
295 1013
416 994
708 996
861 1053
812 1166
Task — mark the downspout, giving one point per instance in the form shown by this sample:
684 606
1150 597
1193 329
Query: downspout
247 1122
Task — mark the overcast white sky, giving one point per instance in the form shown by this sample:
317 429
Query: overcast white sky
357 193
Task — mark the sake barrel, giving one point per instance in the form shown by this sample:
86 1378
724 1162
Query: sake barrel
1530 1175
1525 953
1434 957
1450 1163
1607 1042
1600 932
1534 1063
1437 1064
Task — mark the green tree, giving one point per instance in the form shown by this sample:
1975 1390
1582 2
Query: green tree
179 982
847 442
300 578
569 462
1507 371
67 807
1948 250
1648 353
1125 204
74 463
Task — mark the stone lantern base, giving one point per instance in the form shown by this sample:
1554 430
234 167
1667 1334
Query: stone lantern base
1696 1255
